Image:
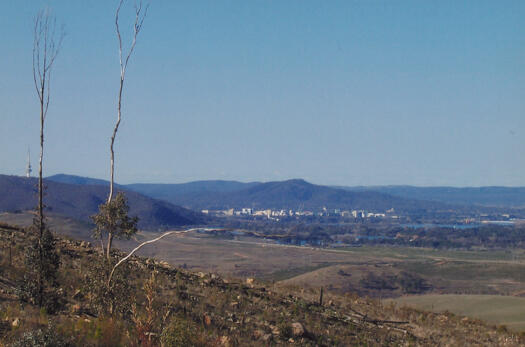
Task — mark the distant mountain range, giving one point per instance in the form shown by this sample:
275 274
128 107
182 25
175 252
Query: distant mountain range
298 194
81 197
294 194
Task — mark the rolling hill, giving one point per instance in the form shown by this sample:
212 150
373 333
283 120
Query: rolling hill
80 201
299 194
291 194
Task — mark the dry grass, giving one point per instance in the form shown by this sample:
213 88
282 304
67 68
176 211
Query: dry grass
495 309
226 312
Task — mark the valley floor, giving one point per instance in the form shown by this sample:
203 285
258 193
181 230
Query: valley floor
485 279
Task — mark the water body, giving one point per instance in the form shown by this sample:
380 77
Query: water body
500 222
447 226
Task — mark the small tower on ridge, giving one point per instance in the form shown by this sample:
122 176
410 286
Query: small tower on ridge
28 169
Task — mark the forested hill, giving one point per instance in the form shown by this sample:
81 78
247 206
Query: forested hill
298 194
80 201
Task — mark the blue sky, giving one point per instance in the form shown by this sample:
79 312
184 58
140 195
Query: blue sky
336 92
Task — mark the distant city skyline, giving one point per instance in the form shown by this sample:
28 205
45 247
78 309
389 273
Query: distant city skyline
337 93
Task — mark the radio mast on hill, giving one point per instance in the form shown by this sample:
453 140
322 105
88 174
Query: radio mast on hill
28 169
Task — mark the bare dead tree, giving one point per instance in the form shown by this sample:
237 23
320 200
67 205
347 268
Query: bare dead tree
124 60
124 57
41 258
46 46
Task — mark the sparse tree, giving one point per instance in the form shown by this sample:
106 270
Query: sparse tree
42 260
124 56
113 218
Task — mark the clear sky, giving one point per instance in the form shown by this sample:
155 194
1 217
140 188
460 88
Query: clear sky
336 92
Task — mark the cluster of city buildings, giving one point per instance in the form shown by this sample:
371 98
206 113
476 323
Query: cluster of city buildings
277 214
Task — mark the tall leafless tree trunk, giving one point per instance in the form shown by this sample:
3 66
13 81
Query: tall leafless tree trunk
46 46
140 14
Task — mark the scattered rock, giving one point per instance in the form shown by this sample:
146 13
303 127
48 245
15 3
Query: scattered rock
442 318
164 264
297 329
275 330
267 337
257 334
225 341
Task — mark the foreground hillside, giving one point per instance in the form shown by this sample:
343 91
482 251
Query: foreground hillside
82 201
157 303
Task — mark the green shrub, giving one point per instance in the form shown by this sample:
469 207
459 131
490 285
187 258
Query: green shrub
104 300
180 332
39 284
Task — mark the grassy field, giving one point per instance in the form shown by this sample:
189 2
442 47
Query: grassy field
499 310
413 253
500 272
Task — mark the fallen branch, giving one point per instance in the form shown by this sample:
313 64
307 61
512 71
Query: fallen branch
365 318
152 241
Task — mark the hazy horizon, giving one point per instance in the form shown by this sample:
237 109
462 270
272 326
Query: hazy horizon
268 181
341 93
